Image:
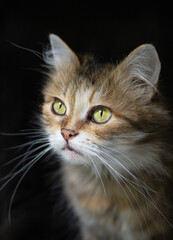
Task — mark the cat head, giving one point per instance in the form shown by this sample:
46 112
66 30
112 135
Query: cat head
95 113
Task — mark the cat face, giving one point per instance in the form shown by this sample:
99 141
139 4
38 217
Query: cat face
84 125
97 115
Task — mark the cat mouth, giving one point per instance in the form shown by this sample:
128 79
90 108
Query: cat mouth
70 149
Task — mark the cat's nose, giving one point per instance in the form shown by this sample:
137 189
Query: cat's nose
68 133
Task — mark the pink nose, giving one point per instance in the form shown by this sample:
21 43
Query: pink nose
68 133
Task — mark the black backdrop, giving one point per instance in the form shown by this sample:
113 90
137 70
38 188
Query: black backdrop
110 29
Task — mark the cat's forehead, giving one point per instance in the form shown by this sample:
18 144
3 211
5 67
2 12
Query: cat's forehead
84 96
87 87
82 101
91 82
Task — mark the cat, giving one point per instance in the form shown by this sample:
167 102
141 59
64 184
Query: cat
112 131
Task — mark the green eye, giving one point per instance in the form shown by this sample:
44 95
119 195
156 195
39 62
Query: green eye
101 115
59 107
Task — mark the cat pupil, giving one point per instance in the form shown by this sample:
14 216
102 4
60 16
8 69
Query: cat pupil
101 113
60 105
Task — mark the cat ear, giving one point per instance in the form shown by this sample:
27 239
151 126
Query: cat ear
61 55
144 64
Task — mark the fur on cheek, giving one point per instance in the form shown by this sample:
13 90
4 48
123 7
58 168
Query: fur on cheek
56 141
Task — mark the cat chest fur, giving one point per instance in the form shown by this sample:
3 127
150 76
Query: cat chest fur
107 213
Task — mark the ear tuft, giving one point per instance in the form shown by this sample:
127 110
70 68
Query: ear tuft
144 63
60 55
141 69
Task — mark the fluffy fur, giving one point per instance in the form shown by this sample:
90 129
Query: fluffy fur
117 175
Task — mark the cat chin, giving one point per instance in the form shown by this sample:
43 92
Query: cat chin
71 156
71 153
74 160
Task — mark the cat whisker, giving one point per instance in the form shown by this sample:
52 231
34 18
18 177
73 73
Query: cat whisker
145 189
113 172
27 167
96 170
138 181
22 133
21 155
36 53
140 184
150 201
114 161
13 174
99 175
27 153
135 199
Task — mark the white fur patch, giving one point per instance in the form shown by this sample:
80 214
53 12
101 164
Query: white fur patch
82 104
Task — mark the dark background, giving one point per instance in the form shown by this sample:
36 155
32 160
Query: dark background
109 29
